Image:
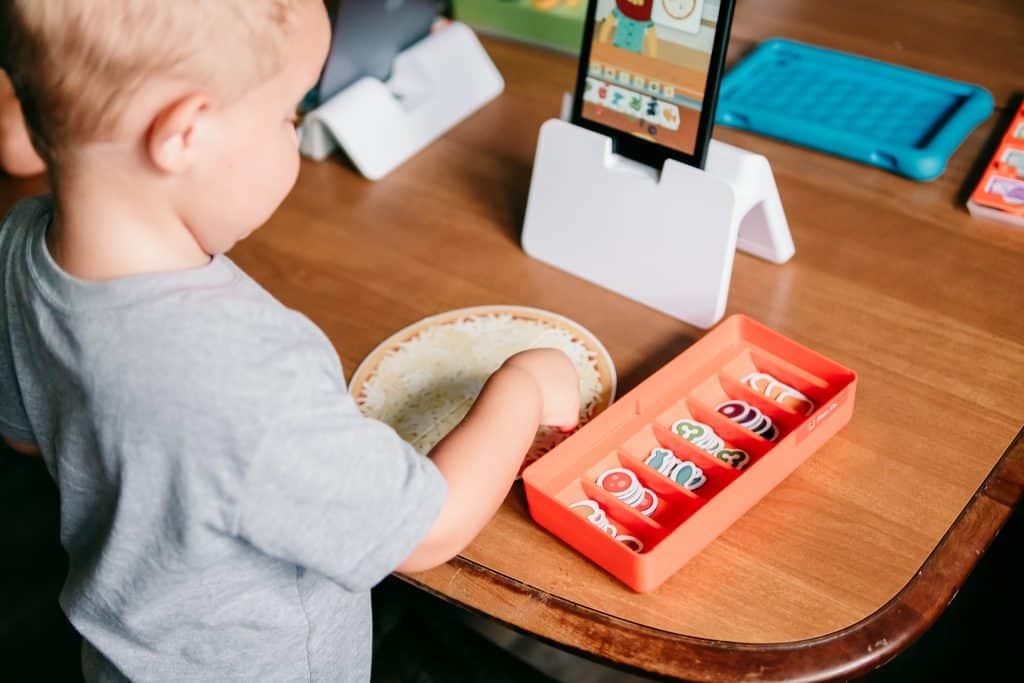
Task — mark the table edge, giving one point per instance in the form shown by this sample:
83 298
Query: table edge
850 651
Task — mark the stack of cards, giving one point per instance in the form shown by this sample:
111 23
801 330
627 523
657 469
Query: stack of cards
623 484
748 416
783 394
683 472
1000 194
595 515
704 437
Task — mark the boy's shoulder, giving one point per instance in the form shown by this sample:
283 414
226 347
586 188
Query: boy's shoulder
226 348
211 337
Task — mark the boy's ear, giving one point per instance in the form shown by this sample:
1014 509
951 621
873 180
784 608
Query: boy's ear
173 137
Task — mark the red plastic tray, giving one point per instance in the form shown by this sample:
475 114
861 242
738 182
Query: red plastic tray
691 387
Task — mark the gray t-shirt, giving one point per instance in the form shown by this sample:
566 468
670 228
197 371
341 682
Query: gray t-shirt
225 507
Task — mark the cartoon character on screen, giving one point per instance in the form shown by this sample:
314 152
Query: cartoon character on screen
629 26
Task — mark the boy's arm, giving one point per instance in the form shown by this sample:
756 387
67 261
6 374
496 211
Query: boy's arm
325 488
479 459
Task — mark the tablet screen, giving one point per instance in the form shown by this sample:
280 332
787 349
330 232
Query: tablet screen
648 68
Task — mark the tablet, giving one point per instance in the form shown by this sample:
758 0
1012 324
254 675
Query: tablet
368 35
649 74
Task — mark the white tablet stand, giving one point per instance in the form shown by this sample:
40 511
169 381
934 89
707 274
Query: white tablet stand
434 85
666 241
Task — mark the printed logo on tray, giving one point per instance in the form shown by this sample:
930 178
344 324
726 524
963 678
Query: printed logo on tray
631 103
821 416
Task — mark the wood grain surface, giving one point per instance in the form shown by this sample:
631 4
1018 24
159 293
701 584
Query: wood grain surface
857 552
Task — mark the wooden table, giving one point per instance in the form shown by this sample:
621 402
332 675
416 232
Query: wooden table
855 554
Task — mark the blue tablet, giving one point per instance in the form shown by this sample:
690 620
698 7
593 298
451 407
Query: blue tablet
888 116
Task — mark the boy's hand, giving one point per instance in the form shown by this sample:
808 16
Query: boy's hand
557 382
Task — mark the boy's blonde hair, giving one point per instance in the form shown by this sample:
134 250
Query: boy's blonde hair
76 64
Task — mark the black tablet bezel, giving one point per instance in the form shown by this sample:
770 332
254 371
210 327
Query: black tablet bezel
639 149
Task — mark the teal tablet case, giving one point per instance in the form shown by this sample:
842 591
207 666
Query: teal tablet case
902 120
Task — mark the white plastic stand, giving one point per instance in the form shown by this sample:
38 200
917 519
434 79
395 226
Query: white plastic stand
667 241
435 84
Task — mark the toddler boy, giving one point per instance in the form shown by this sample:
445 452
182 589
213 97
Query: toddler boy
224 506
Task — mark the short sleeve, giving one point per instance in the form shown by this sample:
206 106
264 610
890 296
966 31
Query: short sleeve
336 492
14 422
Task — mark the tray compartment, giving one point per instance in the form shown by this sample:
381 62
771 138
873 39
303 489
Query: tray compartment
753 362
718 475
624 519
748 443
723 387
675 503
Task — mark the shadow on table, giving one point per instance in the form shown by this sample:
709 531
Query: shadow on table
974 639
